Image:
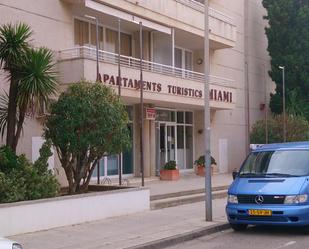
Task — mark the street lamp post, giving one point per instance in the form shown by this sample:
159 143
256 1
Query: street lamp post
141 101
208 194
97 72
119 94
283 102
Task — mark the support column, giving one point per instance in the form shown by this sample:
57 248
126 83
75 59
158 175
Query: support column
153 150
148 157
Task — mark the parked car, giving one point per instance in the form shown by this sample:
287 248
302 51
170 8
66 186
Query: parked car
271 187
9 244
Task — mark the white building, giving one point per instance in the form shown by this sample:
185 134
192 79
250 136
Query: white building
173 67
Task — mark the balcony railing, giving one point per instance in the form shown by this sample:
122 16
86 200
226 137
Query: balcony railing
131 62
197 5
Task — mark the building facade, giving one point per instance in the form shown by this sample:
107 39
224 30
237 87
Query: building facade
173 66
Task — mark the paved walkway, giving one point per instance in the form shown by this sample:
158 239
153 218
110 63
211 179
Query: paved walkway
188 181
136 229
125 231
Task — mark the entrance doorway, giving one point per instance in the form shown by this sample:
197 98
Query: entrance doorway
174 138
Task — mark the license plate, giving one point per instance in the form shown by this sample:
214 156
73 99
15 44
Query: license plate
260 212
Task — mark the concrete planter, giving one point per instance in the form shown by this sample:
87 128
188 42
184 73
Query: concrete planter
169 175
31 216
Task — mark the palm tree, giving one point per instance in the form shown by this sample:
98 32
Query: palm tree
33 79
13 45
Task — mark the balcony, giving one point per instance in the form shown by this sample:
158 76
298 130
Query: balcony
163 84
222 27
185 16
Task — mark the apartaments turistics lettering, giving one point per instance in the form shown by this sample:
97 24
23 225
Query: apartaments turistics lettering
131 83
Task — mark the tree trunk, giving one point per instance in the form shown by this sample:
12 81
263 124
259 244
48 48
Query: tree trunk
12 110
20 122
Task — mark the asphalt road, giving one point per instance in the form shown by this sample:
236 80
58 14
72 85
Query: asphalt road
252 238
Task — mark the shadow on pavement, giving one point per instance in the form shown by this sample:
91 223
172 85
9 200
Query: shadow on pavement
276 230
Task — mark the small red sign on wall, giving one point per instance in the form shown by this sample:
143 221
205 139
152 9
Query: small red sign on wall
150 113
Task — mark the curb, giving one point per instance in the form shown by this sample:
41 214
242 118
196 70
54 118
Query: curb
186 193
182 200
180 238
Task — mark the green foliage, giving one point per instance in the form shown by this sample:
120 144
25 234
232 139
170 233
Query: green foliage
32 79
170 165
21 180
14 42
201 161
288 45
8 160
41 164
87 122
37 77
297 129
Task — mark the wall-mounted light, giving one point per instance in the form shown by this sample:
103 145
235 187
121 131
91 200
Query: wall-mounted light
199 61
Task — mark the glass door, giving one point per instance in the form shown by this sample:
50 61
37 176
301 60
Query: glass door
174 138
162 145
167 143
170 143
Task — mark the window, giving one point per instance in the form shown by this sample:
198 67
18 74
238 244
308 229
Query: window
85 33
81 32
126 46
93 36
183 59
111 41
276 163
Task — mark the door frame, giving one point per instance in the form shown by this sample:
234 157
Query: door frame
170 124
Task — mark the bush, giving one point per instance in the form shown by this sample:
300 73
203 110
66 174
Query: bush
8 159
201 161
87 122
297 129
21 180
170 165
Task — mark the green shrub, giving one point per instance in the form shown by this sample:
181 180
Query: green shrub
297 129
41 164
201 161
87 122
21 180
170 165
8 159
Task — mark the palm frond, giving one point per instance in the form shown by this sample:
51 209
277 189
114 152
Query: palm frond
37 78
4 102
14 41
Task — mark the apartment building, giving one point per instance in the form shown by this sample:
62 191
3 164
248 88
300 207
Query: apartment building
173 66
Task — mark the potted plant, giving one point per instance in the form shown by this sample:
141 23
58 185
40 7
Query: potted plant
169 171
200 165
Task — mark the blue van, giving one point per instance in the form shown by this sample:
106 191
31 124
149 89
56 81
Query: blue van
271 187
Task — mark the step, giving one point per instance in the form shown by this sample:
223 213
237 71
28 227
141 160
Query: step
187 199
185 193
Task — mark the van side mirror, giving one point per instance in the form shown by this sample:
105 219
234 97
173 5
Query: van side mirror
234 174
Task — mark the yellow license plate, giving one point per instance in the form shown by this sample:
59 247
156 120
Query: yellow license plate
260 212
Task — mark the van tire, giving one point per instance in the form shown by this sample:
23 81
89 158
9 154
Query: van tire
238 227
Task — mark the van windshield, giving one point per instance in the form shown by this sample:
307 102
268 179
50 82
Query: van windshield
276 164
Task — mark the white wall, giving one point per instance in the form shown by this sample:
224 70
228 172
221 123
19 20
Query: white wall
31 216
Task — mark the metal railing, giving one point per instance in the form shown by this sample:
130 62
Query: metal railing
85 52
197 5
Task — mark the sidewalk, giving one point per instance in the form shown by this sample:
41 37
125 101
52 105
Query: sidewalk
188 181
136 229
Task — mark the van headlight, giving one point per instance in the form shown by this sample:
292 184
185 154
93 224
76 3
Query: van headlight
232 199
295 199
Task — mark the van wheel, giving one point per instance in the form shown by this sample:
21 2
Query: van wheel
238 227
